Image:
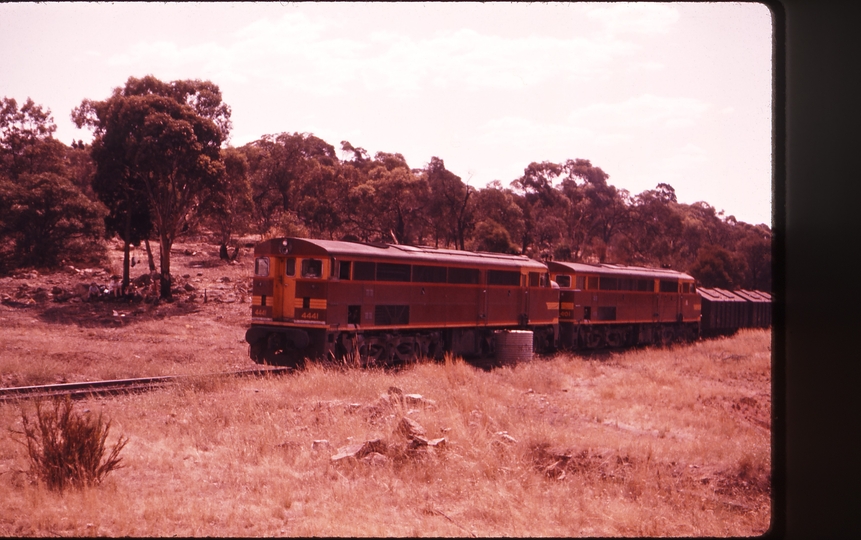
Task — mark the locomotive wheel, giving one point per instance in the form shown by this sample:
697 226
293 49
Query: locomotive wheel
372 354
436 350
668 334
543 343
594 339
406 352
615 338
257 353
283 358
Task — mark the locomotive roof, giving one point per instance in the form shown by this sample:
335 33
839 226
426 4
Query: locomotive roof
395 252
616 270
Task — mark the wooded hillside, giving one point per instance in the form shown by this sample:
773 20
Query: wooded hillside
158 168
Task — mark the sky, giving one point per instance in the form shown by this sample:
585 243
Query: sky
676 93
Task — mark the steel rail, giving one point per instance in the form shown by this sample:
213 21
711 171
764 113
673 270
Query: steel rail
119 386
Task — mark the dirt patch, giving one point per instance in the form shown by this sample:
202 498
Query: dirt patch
753 410
559 464
113 314
200 281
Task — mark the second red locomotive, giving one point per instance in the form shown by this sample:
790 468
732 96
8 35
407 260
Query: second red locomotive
620 306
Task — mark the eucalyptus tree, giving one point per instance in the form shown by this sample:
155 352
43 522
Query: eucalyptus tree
449 208
157 148
44 216
27 145
499 222
284 169
232 208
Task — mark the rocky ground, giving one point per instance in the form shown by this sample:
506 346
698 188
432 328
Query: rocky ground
199 276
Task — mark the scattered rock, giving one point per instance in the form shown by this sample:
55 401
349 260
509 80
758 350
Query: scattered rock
41 295
189 287
418 399
410 428
416 441
353 407
360 450
375 459
320 444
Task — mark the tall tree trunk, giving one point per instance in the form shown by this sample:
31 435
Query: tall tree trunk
126 254
149 255
164 254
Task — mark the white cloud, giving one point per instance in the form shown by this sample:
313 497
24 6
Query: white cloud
641 18
646 66
509 130
646 111
307 54
688 158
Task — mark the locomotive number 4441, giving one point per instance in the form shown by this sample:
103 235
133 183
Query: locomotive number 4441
310 314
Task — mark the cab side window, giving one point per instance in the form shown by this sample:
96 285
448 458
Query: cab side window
261 266
312 268
344 270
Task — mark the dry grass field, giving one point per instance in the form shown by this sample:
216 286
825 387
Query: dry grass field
650 442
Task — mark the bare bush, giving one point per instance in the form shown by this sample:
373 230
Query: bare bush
67 448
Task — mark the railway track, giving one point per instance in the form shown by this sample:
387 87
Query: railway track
121 386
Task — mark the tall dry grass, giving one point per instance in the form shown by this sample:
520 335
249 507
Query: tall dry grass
33 352
642 443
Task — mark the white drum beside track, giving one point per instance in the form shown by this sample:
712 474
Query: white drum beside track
513 346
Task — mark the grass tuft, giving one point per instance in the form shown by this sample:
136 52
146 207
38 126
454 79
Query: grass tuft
67 448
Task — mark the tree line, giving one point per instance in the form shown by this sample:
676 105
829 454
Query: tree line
158 167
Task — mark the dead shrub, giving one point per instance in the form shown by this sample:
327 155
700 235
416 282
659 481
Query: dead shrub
67 448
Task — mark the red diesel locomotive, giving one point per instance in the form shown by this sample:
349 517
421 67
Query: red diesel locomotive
621 306
385 304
